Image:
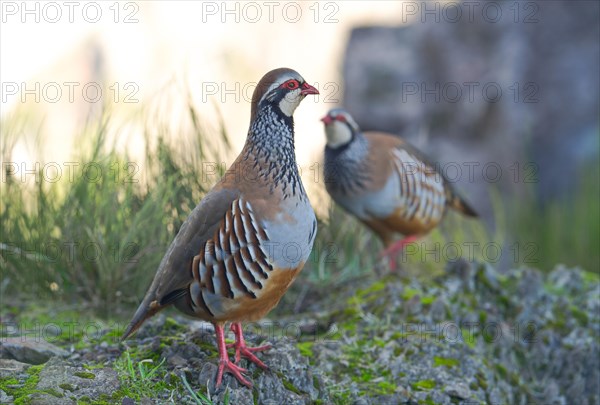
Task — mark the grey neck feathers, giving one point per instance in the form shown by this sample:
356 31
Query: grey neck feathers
346 168
270 145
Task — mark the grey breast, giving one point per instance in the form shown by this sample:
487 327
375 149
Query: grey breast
291 234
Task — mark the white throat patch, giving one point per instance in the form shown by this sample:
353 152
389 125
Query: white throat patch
338 134
290 102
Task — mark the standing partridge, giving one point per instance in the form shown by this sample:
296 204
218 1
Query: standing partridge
386 183
247 240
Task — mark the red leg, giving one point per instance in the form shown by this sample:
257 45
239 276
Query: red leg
224 363
396 247
242 350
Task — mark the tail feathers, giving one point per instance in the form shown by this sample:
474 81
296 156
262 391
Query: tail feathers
462 206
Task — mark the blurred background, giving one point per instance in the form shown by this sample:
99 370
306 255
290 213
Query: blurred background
117 117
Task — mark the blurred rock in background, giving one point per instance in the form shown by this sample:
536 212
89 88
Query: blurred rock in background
497 84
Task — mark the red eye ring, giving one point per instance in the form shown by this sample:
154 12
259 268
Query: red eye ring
292 84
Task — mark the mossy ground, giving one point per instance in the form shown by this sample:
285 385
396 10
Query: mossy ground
368 344
21 390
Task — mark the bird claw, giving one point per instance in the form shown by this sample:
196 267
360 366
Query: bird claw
241 349
225 365
247 352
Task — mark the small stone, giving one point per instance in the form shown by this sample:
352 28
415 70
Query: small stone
177 361
530 285
438 309
207 376
240 396
57 372
42 398
496 397
30 351
10 367
308 326
568 279
461 268
196 363
458 390
5 398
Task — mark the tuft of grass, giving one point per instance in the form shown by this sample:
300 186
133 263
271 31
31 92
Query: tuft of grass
198 397
140 380
105 225
565 230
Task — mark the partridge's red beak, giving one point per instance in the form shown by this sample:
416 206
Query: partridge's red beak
327 120
308 89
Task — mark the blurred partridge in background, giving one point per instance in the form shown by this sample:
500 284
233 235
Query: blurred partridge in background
385 182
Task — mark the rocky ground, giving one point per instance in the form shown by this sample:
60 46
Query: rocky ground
472 336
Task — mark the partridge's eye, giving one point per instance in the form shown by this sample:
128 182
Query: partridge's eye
292 84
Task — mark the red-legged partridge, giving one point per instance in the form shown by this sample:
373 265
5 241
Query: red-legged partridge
247 240
386 183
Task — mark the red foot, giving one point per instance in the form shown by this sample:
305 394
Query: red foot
391 251
242 350
225 365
